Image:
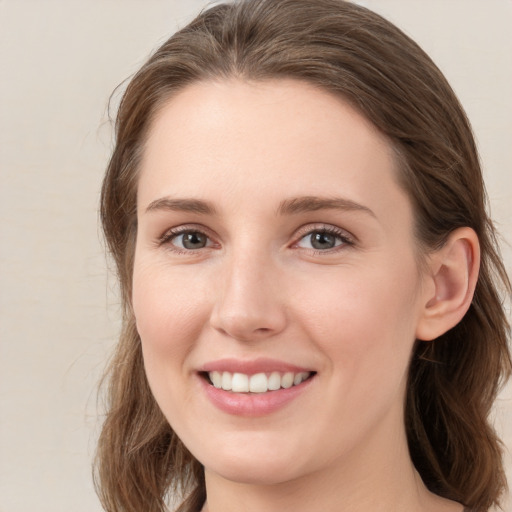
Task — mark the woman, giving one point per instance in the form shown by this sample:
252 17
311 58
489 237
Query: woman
310 279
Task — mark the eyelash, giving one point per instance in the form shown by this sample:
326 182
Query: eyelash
169 235
347 240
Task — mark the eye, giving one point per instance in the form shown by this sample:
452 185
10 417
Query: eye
324 239
190 240
185 240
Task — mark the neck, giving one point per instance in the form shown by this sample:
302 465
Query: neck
315 494
380 477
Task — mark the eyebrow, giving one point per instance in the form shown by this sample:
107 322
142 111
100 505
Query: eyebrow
290 206
183 205
313 203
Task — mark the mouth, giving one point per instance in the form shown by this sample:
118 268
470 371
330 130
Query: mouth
256 383
254 388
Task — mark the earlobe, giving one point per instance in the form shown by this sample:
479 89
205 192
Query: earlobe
453 274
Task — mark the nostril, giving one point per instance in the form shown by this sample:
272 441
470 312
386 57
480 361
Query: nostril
246 309
244 329
263 329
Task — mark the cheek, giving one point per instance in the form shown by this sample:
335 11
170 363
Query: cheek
170 313
364 320
169 316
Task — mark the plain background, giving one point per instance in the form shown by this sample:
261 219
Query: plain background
59 62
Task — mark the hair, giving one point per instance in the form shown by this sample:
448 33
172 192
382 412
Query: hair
354 53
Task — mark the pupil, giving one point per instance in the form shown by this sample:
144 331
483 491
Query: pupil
323 241
194 241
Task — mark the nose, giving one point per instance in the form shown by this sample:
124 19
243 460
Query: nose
249 304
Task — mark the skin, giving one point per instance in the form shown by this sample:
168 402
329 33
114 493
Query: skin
258 288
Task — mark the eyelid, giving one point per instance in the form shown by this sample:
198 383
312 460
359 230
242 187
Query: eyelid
348 238
175 231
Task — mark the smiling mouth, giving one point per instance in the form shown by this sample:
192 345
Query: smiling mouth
256 383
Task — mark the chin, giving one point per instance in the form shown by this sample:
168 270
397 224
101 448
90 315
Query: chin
259 466
262 472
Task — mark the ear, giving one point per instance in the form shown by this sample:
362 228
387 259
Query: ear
451 282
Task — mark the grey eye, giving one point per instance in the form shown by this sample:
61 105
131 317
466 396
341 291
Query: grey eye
191 240
321 240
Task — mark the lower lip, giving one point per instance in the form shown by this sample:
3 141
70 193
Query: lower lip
253 404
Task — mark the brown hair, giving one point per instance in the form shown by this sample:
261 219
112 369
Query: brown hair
352 52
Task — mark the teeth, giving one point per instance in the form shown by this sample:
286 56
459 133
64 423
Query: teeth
274 381
216 378
240 383
257 383
227 381
287 380
297 379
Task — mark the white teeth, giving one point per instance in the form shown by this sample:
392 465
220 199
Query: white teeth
287 380
227 381
298 378
274 381
257 383
216 378
240 383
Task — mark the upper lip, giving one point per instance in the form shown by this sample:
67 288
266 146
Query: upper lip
251 367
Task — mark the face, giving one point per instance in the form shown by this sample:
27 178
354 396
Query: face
275 285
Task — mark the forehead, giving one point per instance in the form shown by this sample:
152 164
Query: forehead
269 111
220 139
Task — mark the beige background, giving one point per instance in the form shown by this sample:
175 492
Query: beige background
59 61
